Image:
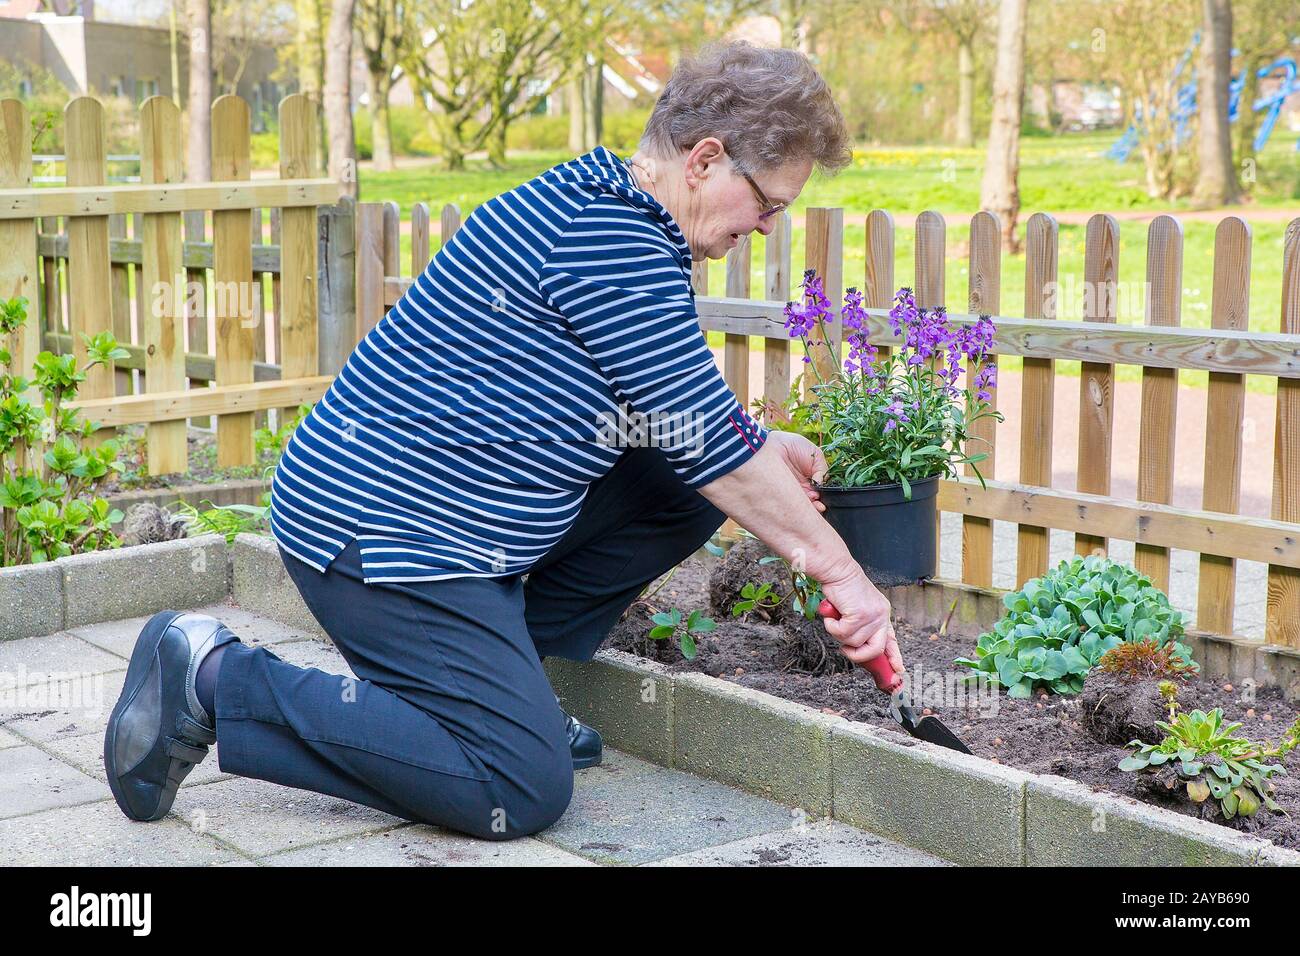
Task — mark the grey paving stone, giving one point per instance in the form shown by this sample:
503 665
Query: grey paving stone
97 834
262 818
34 660
86 753
629 811
31 600
119 637
426 846
818 843
31 780
85 714
9 740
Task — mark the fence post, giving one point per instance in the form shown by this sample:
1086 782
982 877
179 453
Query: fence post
1097 379
824 252
232 273
336 265
162 267
419 239
370 266
735 349
1037 383
1224 411
776 288
18 270
984 297
878 287
1160 389
928 267
449 222
89 302
1283 615
120 292
299 336
194 223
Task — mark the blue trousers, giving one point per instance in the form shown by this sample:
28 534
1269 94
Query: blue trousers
451 719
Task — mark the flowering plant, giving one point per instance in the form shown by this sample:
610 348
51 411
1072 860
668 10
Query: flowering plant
901 418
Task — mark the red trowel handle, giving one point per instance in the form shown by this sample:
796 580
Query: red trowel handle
877 667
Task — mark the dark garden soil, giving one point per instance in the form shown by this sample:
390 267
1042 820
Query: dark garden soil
202 451
1078 737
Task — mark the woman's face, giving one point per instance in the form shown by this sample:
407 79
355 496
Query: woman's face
718 206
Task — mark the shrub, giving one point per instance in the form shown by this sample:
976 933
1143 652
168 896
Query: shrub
44 511
1058 626
1211 760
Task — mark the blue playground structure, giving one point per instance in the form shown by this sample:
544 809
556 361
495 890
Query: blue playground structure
1185 103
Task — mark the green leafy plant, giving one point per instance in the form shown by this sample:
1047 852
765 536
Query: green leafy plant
268 441
669 624
1144 660
1211 761
1058 626
227 520
49 464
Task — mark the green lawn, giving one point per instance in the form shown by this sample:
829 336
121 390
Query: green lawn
1059 175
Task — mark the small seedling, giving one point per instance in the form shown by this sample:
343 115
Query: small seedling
669 624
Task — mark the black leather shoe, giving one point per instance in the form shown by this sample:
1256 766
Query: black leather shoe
584 742
158 730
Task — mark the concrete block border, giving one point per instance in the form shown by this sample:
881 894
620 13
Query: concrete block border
964 809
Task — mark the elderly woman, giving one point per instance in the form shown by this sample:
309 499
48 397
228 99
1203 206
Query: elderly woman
465 498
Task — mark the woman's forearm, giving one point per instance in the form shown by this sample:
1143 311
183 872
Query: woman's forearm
764 497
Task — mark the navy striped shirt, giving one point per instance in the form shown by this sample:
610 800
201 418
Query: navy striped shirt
553 331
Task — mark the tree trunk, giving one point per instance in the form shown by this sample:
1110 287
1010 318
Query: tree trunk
1217 183
311 66
1000 190
338 96
200 93
1247 122
594 88
965 93
496 144
575 101
381 124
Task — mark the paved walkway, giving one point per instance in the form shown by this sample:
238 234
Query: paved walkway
56 809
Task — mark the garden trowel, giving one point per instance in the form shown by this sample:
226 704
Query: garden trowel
900 705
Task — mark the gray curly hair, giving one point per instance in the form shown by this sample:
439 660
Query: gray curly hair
767 106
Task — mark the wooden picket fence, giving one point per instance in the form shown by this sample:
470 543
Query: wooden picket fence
335 268
1227 351
66 250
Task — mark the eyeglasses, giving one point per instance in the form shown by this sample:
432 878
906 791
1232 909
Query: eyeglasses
769 208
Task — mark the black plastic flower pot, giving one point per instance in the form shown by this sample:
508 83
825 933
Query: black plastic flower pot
893 537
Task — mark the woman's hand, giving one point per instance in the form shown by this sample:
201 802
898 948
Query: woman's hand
805 461
861 621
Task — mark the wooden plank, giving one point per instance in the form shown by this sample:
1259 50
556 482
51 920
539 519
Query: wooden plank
1159 388
449 222
162 325
120 293
232 278
776 287
298 312
89 303
337 271
260 418
735 348
200 367
1224 413
371 302
51 297
392 240
1037 391
194 227
1101 516
824 252
221 400
419 238
1096 379
197 255
1282 619
878 287
984 296
1244 352
929 284
275 280
176 197
18 258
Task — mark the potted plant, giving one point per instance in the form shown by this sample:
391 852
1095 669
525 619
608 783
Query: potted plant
891 426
